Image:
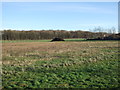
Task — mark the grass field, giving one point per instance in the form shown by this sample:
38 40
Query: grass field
70 64
48 40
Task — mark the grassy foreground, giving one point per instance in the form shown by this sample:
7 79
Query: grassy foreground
61 64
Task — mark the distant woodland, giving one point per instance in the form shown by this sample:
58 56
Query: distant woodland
50 34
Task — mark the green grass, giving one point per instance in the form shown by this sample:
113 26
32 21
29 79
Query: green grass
100 75
14 41
64 72
77 40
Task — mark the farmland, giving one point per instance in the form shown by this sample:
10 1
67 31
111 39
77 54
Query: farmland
69 64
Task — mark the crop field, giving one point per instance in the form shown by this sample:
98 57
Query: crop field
69 64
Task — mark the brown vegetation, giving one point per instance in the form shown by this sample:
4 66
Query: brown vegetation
108 37
28 52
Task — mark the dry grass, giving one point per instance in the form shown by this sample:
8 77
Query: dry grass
26 52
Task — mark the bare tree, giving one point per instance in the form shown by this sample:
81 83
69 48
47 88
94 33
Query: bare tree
98 29
112 30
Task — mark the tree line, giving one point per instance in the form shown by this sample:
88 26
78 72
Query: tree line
48 34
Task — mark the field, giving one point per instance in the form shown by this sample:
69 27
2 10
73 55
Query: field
70 64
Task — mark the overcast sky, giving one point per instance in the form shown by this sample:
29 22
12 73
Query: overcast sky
59 15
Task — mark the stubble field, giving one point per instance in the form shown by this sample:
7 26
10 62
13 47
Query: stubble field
85 64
